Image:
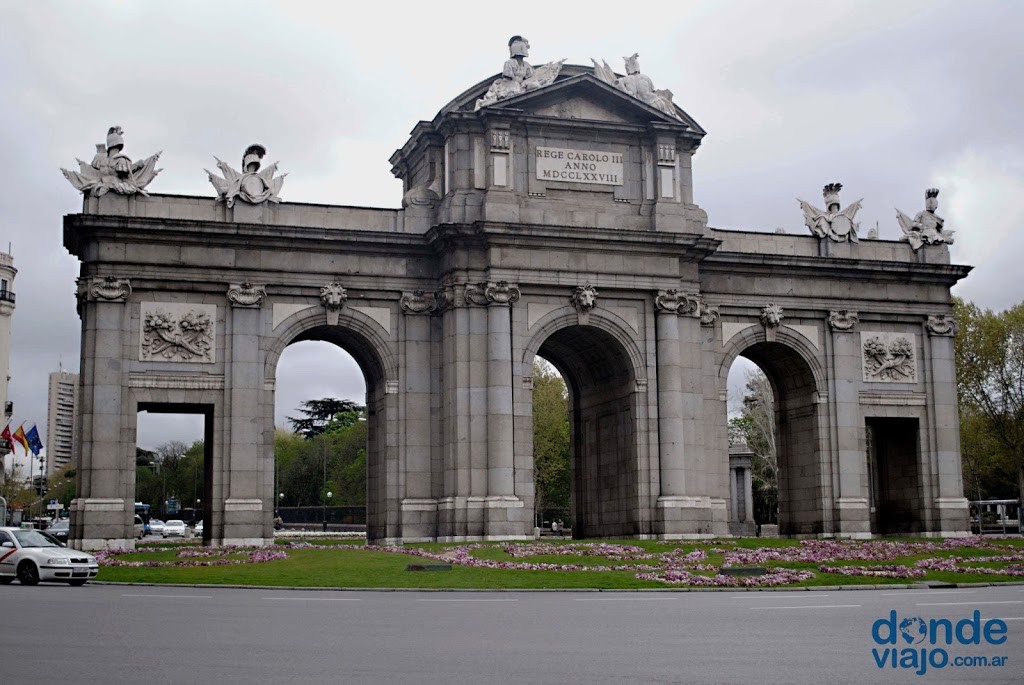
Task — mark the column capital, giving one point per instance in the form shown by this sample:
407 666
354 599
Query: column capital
246 295
104 289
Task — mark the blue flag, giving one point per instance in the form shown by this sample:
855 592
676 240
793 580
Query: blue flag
34 442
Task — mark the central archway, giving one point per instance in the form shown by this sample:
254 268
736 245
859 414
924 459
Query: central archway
600 379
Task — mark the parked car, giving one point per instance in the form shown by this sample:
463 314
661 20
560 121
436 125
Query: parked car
60 530
32 556
140 527
198 530
156 527
175 528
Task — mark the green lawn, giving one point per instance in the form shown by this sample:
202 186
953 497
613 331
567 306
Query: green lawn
347 564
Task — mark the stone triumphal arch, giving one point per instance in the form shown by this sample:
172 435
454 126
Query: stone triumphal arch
547 211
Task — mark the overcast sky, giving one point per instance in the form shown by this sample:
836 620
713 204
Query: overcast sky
888 98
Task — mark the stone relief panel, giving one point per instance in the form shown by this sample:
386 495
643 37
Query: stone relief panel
178 332
889 357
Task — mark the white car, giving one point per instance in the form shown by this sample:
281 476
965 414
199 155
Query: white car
198 530
156 527
32 556
175 528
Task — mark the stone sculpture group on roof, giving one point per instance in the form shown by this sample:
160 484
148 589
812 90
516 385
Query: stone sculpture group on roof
112 170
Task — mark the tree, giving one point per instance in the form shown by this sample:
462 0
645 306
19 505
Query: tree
989 351
339 441
552 474
323 413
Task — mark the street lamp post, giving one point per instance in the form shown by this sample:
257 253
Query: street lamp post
326 499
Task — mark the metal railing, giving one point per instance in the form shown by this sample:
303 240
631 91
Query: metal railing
7 296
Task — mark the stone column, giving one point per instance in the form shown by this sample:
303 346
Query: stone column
244 521
102 516
851 515
670 398
503 507
741 520
950 508
419 508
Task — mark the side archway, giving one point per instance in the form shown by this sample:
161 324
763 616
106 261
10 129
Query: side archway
363 338
798 383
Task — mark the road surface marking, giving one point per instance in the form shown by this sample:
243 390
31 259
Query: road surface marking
467 600
315 599
174 596
810 606
768 595
932 592
624 599
953 604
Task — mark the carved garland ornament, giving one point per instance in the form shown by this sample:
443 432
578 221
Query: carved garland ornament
889 357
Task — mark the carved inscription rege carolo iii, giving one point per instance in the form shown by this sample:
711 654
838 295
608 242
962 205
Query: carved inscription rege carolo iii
579 166
177 332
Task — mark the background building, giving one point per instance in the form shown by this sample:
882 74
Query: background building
60 422
7 272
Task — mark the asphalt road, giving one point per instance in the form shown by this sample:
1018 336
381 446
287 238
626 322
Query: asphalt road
153 634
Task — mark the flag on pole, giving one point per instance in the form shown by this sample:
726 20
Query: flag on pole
19 435
34 443
6 435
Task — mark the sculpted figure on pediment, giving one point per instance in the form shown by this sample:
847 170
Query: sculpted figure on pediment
111 169
636 84
833 223
927 227
517 76
250 185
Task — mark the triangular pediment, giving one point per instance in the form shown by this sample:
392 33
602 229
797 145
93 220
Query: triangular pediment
578 95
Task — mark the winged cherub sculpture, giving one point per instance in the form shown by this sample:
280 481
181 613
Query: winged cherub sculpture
250 185
833 223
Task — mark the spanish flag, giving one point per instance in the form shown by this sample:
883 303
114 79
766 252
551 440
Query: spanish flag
19 435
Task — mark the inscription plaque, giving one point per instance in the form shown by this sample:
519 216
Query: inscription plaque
579 166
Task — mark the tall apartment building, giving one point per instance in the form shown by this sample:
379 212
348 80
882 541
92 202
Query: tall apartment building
7 272
60 420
